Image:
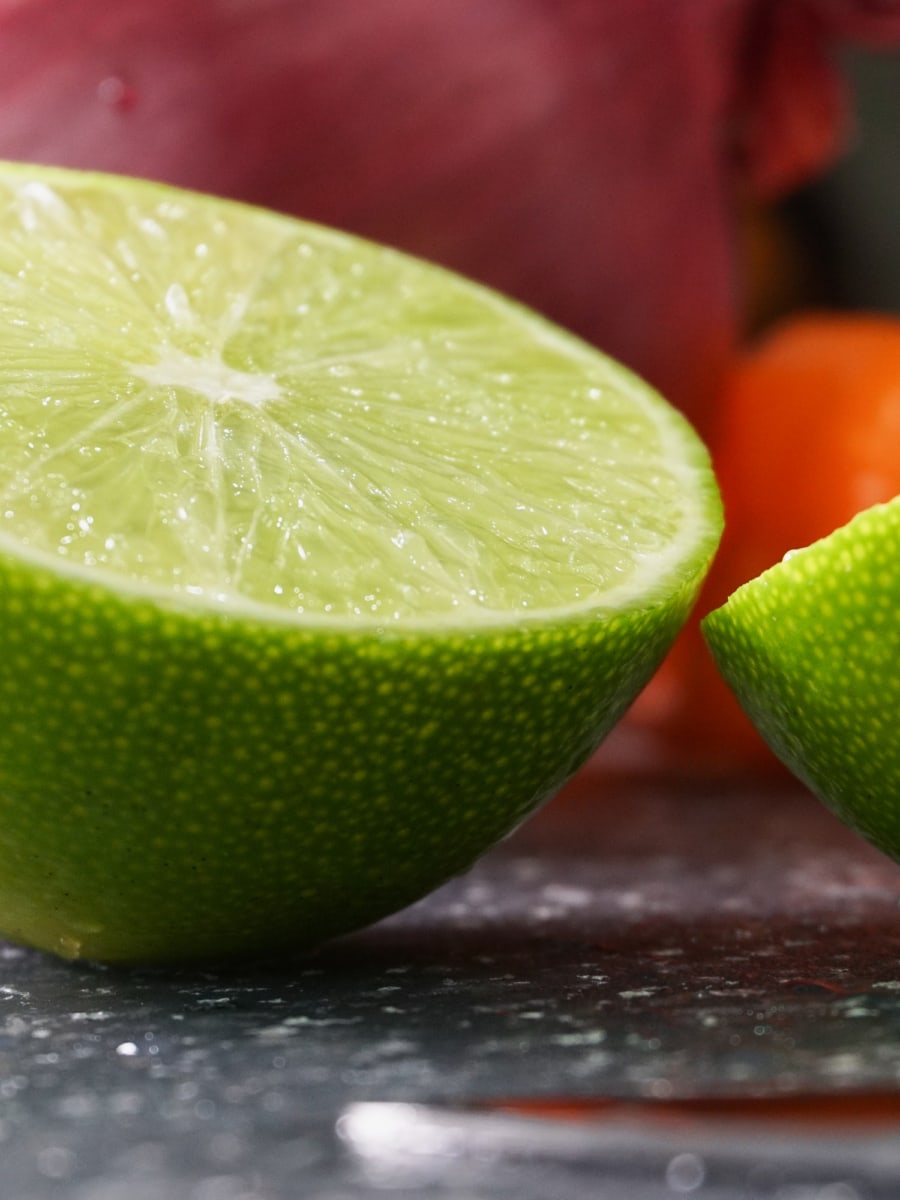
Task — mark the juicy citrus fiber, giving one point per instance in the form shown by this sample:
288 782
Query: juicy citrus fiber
811 648
320 568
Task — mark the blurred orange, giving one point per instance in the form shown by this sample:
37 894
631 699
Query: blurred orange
808 434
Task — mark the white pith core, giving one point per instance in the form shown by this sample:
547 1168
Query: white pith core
210 378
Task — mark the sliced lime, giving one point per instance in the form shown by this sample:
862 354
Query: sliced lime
320 567
811 649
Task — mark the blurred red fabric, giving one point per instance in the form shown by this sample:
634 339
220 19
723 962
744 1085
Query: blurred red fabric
582 155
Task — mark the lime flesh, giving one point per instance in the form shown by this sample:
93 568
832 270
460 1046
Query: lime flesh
811 649
320 568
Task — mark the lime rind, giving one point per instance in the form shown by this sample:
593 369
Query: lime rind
810 647
215 405
180 785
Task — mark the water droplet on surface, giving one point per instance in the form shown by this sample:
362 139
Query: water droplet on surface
55 1162
685 1173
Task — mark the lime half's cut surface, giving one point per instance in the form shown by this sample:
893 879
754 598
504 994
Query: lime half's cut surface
320 568
811 648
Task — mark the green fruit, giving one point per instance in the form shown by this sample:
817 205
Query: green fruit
320 568
811 648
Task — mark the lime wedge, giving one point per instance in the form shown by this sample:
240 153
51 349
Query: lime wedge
320 568
811 649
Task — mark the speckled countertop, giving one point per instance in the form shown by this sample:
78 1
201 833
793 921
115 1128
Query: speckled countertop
649 991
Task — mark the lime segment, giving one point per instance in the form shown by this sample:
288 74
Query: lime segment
811 649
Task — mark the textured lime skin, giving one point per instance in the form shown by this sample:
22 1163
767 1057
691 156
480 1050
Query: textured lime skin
180 783
811 649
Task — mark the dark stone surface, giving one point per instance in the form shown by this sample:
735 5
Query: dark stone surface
706 979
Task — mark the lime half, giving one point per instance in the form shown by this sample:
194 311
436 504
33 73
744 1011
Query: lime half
811 648
320 568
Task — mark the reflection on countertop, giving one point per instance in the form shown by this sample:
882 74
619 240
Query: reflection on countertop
653 961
